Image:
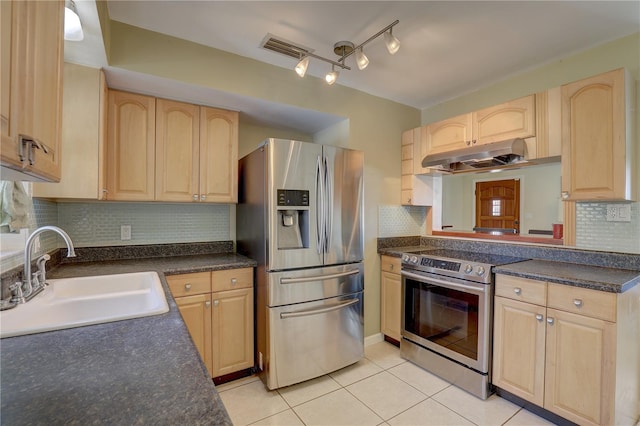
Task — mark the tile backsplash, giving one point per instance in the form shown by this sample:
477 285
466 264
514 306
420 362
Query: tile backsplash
401 221
593 231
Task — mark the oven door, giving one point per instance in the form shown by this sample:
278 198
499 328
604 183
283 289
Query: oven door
449 316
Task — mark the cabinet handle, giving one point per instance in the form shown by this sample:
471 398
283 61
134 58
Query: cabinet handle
203 197
207 303
550 321
517 291
474 142
577 303
539 317
216 302
234 281
195 197
565 195
187 286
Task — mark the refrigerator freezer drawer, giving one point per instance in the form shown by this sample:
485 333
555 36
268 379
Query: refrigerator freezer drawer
305 285
312 339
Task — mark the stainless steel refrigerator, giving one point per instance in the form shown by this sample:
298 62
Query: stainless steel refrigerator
300 216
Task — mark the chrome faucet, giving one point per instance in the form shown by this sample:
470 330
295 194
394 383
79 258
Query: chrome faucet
33 284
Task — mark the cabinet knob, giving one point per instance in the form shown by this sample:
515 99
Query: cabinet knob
391 266
577 303
203 197
550 321
565 195
234 281
474 142
195 197
468 143
517 291
539 317
187 286
216 302
207 303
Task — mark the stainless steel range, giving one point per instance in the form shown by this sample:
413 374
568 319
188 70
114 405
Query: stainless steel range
447 315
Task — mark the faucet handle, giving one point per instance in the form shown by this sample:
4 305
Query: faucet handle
42 260
16 289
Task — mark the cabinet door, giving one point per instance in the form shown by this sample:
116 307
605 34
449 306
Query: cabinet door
580 368
218 155
448 135
196 313
131 147
390 304
513 119
32 55
519 349
84 101
594 138
177 151
232 331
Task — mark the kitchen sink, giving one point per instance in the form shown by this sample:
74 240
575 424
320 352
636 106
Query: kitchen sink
80 301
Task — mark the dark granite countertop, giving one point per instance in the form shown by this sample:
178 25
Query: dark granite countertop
139 371
593 277
609 279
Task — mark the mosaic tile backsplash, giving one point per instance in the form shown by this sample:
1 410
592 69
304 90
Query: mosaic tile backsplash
401 221
593 231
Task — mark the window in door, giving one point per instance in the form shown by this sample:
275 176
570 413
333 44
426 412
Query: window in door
498 205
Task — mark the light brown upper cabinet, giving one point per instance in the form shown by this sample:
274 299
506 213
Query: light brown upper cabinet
191 151
31 59
84 101
513 119
416 189
597 155
131 127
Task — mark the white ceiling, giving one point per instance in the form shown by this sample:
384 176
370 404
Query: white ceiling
448 48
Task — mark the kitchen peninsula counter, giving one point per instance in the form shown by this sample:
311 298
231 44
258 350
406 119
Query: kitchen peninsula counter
609 272
138 371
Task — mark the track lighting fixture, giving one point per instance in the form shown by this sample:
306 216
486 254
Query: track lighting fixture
72 26
343 49
361 59
301 67
393 44
332 76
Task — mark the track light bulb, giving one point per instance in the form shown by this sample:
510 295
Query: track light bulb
332 76
301 67
361 59
393 44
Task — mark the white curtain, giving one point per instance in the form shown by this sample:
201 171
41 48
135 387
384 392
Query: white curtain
16 207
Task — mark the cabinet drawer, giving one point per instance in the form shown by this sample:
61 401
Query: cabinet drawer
189 284
230 279
523 289
583 301
390 264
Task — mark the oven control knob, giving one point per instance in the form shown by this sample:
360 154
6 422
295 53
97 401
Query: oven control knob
480 271
405 257
468 269
414 260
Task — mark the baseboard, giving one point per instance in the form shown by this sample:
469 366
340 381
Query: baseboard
374 338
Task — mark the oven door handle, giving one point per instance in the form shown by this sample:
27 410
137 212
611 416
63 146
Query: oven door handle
285 280
443 283
295 314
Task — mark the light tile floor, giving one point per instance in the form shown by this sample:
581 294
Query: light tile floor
381 389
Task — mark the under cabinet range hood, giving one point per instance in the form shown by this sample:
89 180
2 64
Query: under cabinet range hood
493 155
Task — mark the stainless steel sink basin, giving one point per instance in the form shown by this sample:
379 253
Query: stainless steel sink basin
76 302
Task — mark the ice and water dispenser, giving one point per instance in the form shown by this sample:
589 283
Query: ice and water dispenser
293 219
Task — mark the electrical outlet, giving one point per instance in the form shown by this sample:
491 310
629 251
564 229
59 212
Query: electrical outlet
125 232
618 212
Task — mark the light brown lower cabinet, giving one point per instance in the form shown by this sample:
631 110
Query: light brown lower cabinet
217 308
570 350
390 297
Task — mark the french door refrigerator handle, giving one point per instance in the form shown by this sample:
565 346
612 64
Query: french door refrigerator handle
285 280
319 207
328 204
285 315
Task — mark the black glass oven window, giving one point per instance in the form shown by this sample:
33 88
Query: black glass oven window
446 317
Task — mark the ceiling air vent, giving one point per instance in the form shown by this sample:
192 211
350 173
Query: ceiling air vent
284 47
